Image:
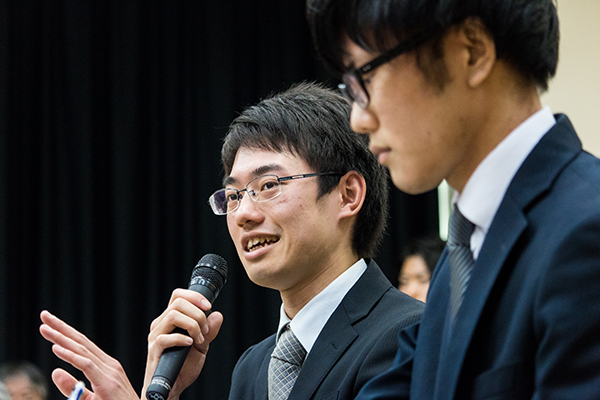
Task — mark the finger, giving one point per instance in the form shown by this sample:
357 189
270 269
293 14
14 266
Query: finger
68 337
64 381
163 335
66 343
214 323
181 314
58 325
81 363
98 375
193 297
178 301
162 342
172 340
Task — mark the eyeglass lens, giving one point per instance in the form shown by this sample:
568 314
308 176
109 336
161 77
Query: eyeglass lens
262 188
354 90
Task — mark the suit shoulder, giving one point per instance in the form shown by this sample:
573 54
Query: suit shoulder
397 308
254 355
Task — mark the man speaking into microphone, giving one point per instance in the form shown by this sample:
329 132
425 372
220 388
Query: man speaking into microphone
306 205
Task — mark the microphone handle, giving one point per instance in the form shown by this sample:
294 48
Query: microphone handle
172 359
163 379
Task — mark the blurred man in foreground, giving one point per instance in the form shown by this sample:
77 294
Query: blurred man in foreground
450 90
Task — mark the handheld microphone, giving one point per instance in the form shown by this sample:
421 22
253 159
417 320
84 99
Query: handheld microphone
208 278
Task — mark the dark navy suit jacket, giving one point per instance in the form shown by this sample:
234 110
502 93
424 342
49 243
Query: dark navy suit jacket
529 325
358 342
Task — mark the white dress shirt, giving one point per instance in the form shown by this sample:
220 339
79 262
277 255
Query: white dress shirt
485 189
311 319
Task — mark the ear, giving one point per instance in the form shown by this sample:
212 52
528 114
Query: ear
480 50
352 189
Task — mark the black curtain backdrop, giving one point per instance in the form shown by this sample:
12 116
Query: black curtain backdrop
112 114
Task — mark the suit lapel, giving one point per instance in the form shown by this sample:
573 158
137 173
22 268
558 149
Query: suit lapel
338 333
509 224
556 149
262 378
333 341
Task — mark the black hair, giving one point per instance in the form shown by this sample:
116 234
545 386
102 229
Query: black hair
429 248
312 122
525 32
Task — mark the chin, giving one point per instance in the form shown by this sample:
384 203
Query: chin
259 277
412 185
404 185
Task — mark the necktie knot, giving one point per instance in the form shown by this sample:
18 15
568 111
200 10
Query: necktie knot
460 230
289 348
285 364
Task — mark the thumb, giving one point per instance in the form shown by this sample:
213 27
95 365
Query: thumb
214 322
65 382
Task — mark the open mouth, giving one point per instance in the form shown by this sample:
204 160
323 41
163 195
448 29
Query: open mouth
259 242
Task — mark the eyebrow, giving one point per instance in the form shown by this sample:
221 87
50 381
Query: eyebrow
264 169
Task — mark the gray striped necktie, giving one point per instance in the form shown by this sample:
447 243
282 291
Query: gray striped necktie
461 258
285 364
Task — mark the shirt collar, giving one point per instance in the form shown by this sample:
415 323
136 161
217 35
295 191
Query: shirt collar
485 189
311 319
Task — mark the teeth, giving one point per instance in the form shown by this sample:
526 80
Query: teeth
257 241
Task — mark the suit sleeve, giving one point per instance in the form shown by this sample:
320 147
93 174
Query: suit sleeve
395 382
567 317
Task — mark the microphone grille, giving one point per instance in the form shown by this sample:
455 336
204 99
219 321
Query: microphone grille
213 268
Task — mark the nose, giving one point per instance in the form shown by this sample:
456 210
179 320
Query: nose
248 211
361 120
413 289
410 288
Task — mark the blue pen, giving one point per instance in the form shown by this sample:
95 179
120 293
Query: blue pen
77 391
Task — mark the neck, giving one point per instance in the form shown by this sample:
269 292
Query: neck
294 299
497 109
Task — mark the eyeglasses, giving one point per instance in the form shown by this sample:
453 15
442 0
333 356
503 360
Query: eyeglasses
259 189
353 86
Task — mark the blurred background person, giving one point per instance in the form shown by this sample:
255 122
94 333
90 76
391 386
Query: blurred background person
417 262
24 381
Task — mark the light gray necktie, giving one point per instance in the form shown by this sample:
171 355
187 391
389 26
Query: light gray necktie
461 258
285 364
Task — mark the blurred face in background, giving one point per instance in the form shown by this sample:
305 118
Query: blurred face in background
21 388
414 277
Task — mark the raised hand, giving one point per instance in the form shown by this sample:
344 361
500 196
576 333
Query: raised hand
106 375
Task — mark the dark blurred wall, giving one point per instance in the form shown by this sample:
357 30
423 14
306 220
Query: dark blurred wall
112 114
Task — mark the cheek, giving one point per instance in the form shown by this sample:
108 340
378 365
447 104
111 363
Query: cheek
423 288
290 212
231 225
234 232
